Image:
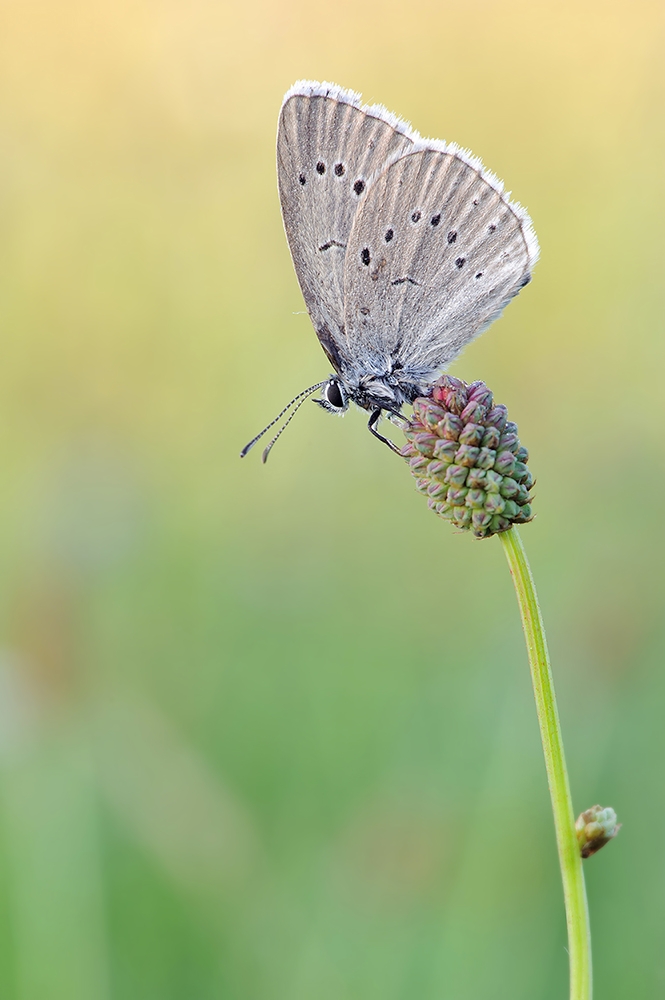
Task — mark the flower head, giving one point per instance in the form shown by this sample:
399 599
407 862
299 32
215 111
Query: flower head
467 459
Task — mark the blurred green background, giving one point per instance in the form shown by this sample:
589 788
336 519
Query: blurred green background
266 733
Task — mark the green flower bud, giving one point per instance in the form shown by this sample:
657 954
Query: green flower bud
595 828
467 458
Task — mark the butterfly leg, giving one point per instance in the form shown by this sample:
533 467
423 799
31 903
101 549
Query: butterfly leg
371 426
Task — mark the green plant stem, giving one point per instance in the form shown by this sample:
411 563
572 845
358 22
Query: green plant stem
570 860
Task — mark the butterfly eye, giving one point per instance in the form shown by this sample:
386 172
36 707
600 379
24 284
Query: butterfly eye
334 395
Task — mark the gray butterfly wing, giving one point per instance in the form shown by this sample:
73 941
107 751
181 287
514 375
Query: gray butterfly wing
328 148
435 253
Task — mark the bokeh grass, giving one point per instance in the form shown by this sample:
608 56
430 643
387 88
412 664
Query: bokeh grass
266 732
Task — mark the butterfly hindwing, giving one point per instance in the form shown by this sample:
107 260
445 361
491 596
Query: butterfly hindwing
435 253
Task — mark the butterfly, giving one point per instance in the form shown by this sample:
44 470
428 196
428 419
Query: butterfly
405 248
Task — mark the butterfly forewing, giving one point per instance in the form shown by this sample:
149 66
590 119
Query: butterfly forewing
435 252
328 149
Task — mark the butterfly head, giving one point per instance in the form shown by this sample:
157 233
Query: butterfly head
369 392
372 386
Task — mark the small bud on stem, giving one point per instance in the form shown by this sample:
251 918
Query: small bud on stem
596 827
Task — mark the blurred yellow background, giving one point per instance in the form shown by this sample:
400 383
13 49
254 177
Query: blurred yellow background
266 733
